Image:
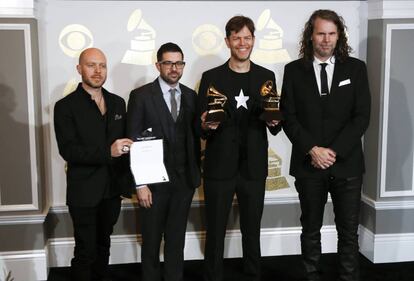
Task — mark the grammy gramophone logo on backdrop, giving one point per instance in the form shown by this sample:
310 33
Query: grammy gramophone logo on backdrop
269 49
142 48
275 180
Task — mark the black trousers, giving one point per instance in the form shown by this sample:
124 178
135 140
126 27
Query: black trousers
346 196
166 218
218 196
92 229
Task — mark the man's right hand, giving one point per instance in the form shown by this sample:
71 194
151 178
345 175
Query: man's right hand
208 125
322 157
117 147
144 196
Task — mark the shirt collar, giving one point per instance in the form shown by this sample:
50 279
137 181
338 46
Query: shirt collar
86 94
330 61
165 87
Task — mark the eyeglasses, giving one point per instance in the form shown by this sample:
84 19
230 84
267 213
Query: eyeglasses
178 64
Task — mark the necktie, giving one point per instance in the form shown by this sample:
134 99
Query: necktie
173 104
324 80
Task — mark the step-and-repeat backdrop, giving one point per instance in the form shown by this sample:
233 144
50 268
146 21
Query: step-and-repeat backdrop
130 32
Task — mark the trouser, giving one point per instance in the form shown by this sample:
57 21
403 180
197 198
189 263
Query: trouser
167 217
346 195
92 229
218 195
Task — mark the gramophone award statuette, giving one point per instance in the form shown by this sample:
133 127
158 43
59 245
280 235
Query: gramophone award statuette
215 105
271 102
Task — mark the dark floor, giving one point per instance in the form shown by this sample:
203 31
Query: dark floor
284 268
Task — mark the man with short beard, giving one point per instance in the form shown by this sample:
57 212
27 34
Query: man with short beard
236 150
90 133
165 109
326 105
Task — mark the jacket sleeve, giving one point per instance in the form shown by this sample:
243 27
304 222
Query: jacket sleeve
196 124
135 115
202 104
70 147
352 132
292 127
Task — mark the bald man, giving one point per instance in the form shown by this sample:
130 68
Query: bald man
90 133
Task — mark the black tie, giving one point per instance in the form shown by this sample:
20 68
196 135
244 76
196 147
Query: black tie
324 80
173 104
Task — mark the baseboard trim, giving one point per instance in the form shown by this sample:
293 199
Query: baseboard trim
24 265
388 205
127 248
386 248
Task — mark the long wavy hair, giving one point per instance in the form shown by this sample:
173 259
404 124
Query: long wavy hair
342 49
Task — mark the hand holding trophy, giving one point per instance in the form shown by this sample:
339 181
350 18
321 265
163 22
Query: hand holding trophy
271 103
215 106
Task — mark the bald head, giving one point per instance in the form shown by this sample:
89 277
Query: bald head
91 52
92 68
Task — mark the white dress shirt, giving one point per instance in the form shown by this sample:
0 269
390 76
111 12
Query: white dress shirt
329 71
165 88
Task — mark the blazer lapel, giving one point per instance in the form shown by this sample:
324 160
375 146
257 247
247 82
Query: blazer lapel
183 104
310 79
255 99
337 76
110 114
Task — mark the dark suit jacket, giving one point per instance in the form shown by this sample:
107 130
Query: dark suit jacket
147 109
85 143
337 121
222 150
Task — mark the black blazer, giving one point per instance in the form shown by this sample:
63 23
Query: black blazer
147 109
337 121
85 143
222 150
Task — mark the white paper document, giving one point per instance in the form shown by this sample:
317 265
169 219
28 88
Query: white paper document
147 162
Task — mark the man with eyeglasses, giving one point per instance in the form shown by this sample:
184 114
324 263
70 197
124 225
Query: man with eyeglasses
236 150
167 109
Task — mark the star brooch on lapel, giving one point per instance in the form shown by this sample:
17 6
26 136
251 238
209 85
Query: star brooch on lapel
241 99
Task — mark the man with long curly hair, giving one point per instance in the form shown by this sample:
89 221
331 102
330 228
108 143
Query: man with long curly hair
326 104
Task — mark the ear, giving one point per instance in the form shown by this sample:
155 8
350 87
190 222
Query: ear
79 69
158 66
227 42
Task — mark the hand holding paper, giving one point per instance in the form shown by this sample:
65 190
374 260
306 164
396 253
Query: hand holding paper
147 162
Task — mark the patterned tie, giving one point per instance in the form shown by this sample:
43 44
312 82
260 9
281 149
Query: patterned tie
173 104
324 80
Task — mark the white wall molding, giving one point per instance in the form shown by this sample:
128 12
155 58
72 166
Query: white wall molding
16 8
384 248
388 205
380 9
129 204
387 76
127 249
24 265
23 219
31 121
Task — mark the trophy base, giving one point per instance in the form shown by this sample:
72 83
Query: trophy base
213 117
269 115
